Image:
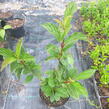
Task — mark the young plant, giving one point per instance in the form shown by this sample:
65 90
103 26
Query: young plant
20 62
96 19
63 81
3 31
100 57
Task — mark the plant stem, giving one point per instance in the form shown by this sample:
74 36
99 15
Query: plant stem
61 53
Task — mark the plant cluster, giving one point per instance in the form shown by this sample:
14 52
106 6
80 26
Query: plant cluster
100 57
62 81
20 62
96 18
96 25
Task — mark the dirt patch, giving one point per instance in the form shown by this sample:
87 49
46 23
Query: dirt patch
104 91
105 103
62 101
16 23
3 44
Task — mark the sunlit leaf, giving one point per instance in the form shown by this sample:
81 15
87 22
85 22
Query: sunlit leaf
53 29
47 90
7 61
76 90
52 50
71 40
18 47
85 75
2 33
7 27
26 57
29 78
6 52
70 10
51 82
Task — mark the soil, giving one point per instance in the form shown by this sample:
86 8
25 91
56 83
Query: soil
62 101
4 15
104 91
105 103
3 44
16 23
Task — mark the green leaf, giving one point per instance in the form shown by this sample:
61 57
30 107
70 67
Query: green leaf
29 78
47 90
53 29
18 72
2 33
57 96
13 66
70 60
68 46
19 47
52 50
36 68
70 10
81 90
62 92
65 63
7 61
7 27
50 73
73 92
85 75
26 57
52 98
66 23
51 82
72 72
50 57
22 50
25 71
71 40
76 90
6 52
67 29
